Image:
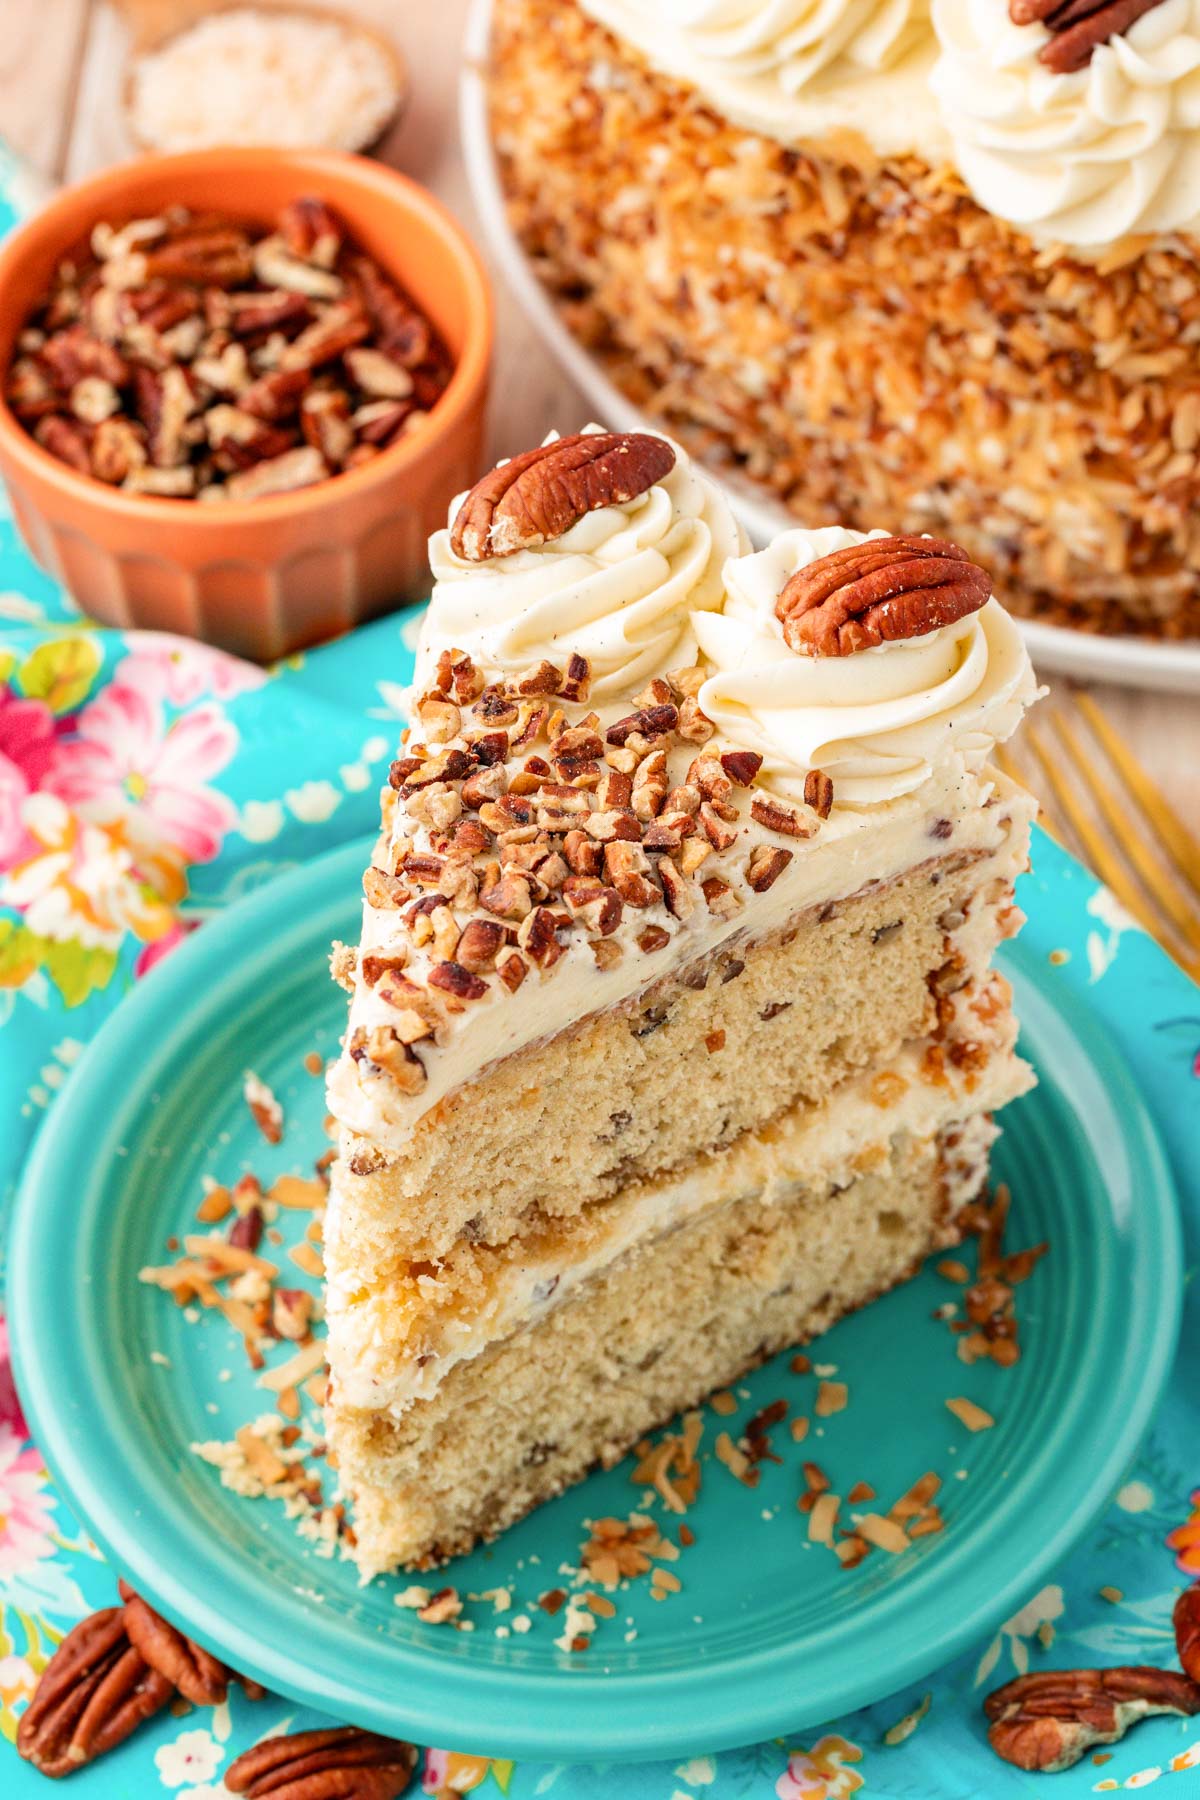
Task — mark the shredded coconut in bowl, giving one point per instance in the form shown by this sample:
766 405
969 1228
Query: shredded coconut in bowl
249 76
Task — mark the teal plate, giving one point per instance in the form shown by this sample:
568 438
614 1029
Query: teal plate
767 1634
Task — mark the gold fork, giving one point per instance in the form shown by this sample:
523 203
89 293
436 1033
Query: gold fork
1124 829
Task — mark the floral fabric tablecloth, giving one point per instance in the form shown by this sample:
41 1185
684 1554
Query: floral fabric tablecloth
146 782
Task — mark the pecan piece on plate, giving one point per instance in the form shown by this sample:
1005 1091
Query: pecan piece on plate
538 496
1046 1722
340 1764
95 1690
877 592
199 1677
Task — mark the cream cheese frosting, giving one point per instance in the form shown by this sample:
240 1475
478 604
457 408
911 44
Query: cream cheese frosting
618 587
797 69
1084 159
1087 158
876 722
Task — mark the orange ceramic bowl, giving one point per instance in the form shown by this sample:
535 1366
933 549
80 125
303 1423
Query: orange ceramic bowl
264 577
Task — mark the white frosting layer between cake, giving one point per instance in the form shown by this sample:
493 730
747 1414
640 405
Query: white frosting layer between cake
1084 159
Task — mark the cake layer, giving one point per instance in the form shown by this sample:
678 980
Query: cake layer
862 337
744 1034
397 1330
653 1333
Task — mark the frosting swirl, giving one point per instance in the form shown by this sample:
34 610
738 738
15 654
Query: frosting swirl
796 69
794 40
619 588
1086 158
877 722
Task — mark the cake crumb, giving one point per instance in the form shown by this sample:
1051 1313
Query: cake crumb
974 1417
831 1398
264 1107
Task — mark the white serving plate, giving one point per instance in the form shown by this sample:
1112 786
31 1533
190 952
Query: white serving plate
1131 662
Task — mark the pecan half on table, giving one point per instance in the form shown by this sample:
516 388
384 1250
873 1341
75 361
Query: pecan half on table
1046 1722
341 1764
96 1690
194 357
198 1676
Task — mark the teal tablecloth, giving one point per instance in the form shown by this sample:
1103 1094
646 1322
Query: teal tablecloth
146 782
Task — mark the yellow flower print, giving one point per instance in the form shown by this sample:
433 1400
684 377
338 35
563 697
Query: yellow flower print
821 1773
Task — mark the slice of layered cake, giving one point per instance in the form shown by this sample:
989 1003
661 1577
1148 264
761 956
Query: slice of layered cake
672 1032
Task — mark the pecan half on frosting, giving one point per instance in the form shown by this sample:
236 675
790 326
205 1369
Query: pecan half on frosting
95 1690
324 1765
538 496
1046 1722
1077 27
877 592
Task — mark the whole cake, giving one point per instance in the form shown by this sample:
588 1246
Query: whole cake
672 1030
925 267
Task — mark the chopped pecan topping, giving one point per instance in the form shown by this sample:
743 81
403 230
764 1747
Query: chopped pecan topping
677 895
538 496
536 937
1045 1722
627 868
784 819
95 1690
653 938
384 890
818 792
578 680
1077 27
511 970
198 1676
719 834
457 981
507 896
387 1051
597 907
323 1765
650 722
877 592
480 944
741 766
720 897
765 866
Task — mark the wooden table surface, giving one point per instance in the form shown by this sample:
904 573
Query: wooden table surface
61 64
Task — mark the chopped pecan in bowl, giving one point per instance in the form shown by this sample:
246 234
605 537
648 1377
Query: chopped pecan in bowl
190 355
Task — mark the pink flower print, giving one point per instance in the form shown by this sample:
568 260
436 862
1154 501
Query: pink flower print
24 1507
171 668
821 1773
123 766
160 947
12 1419
448 1773
27 740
